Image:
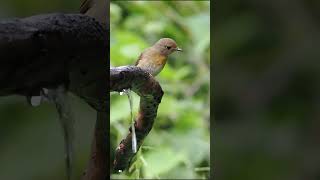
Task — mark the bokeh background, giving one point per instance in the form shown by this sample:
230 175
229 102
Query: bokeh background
178 146
31 140
266 87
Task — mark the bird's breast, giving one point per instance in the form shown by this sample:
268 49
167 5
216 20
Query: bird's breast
160 59
152 61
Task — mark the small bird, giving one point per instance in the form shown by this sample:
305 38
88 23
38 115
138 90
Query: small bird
154 58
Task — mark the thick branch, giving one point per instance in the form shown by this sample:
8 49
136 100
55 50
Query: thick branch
150 93
47 50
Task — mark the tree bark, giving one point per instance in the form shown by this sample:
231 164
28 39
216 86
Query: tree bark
45 51
150 93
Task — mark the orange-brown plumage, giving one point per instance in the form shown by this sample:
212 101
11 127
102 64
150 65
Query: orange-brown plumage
154 58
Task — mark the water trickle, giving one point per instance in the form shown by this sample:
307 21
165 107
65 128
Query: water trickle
59 96
134 138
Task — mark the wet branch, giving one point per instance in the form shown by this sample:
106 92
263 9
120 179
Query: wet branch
45 51
150 93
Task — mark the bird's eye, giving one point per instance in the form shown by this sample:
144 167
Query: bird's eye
168 47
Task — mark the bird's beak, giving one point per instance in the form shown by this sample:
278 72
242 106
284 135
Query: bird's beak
178 49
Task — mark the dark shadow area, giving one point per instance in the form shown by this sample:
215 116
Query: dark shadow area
266 84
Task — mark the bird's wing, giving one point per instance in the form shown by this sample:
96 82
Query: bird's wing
85 5
142 55
139 58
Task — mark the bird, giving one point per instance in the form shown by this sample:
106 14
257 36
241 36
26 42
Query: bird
151 60
154 58
97 9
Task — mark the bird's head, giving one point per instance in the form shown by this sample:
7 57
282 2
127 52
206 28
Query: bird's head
166 46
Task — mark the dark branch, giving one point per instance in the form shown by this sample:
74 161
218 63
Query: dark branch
47 50
150 93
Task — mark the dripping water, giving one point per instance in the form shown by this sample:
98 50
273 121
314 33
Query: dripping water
59 96
134 138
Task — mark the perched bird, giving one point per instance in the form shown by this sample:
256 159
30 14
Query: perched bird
151 60
98 9
154 58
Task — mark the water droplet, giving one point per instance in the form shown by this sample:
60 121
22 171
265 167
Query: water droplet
35 100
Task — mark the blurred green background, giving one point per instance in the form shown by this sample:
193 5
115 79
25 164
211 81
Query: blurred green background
178 146
31 141
266 89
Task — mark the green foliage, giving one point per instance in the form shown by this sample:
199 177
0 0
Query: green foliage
178 145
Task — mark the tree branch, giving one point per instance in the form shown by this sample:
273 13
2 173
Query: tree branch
45 51
97 168
150 93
